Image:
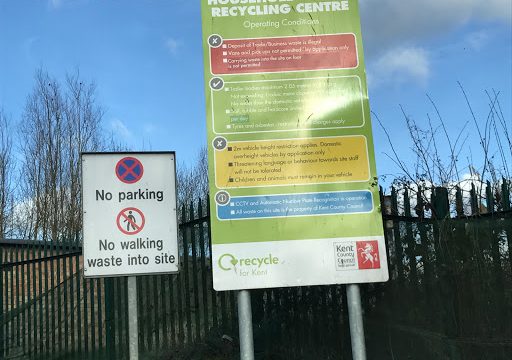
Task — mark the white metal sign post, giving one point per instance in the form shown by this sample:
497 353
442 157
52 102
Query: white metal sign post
129 220
355 314
245 325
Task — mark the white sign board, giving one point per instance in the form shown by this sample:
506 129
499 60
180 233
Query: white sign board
129 214
293 177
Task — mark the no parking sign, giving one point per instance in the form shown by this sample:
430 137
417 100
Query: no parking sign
129 214
129 170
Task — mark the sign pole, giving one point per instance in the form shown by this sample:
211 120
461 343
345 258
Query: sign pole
355 315
245 325
133 326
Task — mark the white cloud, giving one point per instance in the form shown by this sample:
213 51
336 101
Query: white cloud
149 128
493 9
400 65
172 45
400 36
120 130
476 40
55 3
387 23
60 4
28 46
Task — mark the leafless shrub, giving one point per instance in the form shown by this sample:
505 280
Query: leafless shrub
439 153
192 181
6 176
58 123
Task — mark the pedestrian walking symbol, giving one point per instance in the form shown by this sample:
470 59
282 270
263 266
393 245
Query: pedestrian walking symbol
130 221
129 170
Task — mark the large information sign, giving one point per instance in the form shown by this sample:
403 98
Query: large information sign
291 162
129 214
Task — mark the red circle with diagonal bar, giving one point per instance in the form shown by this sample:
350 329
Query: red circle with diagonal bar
129 170
130 218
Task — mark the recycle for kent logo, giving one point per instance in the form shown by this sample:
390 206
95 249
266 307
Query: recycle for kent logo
228 262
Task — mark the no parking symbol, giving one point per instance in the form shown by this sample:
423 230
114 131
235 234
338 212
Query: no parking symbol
129 170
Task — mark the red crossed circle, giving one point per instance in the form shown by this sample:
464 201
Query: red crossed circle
129 170
124 219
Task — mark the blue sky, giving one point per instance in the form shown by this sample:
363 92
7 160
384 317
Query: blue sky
146 59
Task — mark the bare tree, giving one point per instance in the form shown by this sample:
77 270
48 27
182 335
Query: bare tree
438 152
192 181
83 118
6 173
57 124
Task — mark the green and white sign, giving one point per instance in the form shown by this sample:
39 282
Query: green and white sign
291 163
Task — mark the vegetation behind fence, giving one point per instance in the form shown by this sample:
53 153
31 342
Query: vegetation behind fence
449 296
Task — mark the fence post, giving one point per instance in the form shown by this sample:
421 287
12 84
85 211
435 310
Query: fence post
2 335
181 320
396 237
505 196
475 209
195 281
411 241
448 287
496 256
202 249
459 203
388 224
215 321
505 204
441 203
109 318
187 238
489 198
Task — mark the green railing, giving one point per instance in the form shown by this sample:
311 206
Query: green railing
450 295
50 311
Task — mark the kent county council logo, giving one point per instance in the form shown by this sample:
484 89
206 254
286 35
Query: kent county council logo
256 266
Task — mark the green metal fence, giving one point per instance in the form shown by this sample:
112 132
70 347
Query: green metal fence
450 294
50 311
449 297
